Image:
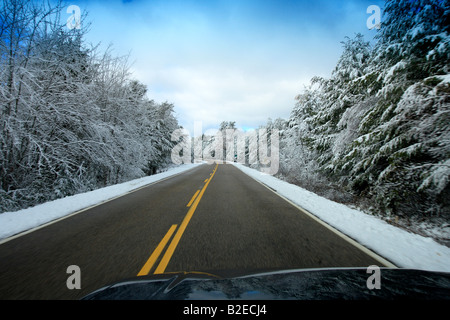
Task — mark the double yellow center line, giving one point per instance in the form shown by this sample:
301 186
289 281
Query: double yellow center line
176 239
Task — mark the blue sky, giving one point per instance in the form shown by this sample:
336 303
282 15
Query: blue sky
228 60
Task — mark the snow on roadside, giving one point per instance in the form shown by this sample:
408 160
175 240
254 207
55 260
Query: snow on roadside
12 223
404 249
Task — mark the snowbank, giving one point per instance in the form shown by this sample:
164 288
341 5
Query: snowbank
404 249
12 223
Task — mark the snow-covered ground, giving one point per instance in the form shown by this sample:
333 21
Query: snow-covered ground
405 249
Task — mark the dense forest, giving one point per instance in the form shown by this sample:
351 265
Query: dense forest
72 119
377 132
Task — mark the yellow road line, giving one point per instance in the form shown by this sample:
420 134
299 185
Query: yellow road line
193 198
151 261
171 249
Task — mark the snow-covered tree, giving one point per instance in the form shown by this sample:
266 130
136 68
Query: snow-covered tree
379 127
72 119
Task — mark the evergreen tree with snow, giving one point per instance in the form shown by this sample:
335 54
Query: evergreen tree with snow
380 126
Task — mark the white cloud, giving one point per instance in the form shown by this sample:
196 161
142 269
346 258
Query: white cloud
212 94
224 63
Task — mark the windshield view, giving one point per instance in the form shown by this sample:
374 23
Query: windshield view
215 150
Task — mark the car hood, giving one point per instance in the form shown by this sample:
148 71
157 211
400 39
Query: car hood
311 284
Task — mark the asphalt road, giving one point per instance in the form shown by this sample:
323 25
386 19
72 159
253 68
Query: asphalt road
212 219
